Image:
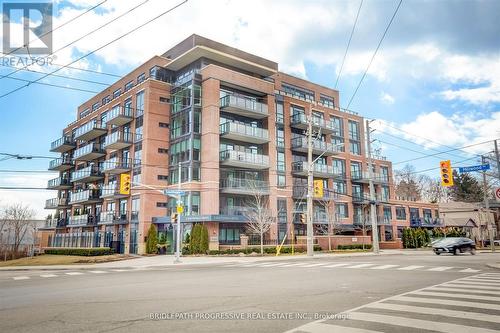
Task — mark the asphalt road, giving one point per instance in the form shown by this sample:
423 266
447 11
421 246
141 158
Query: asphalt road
264 297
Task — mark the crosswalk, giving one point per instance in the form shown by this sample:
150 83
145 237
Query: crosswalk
354 265
66 274
469 304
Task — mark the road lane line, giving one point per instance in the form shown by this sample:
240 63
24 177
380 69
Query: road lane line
474 283
472 291
440 269
48 275
384 267
470 286
314 265
21 277
447 302
410 268
361 266
74 273
417 323
436 311
98 272
458 295
469 270
316 327
338 265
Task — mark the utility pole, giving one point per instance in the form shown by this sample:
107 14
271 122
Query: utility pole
373 216
310 180
178 231
489 226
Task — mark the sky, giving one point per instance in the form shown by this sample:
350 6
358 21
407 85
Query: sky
433 86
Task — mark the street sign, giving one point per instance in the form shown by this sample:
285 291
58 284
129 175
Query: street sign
174 193
482 167
497 194
180 209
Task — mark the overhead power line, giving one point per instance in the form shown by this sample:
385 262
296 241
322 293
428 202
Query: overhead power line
348 44
99 48
56 28
83 36
374 53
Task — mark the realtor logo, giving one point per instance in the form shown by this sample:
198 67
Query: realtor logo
27 27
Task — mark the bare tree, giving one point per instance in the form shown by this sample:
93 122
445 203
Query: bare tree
407 183
332 225
432 191
19 218
260 218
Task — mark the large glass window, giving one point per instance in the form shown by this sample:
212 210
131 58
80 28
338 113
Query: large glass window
341 209
355 147
280 161
353 130
298 92
340 187
355 170
338 166
387 213
400 213
280 117
139 103
282 215
385 173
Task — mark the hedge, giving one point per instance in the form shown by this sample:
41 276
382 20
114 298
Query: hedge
96 251
267 250
354 247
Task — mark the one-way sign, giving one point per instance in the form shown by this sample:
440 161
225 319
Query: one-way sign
482 167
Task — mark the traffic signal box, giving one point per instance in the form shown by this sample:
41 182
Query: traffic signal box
125 183
446 173
318 188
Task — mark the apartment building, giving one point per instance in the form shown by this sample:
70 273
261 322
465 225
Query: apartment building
236 128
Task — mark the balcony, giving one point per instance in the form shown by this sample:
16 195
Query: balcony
116 165
91 130
299 121
426 222
367 222
364 198
87 175
56 203
240 159
244 106
299 144
61 164
244 133
118 140
62 145
84 220
320 170
89 152
300 192
364 178
59 183
234 210
85 197
113 218
120 116
112 192
319 217
244 186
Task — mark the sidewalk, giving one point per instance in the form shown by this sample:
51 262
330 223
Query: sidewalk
168 260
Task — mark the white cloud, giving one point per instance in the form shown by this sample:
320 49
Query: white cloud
386 98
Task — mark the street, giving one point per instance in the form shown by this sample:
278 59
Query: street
270 295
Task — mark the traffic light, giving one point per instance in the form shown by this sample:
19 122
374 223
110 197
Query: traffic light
446 173
303 218
174 218
125 183
318 188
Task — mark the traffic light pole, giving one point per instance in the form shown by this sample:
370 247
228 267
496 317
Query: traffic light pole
373 217
178 231
489 226
310 179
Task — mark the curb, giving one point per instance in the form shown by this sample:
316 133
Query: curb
495 266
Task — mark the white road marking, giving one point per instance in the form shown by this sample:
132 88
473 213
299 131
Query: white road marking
462 290
474 283
21 277
326 328
458 295
48 275
384 266
435 311
447 302
98 272
361 266
409 268
74 273
121 270
313 265
338 265
440 269
470 270
467 286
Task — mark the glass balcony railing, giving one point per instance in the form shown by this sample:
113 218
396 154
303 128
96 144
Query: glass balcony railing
118 140
84 196
90 151
245 106
113 217
299 191
83 220
235 210
244 132
364 177
62 145
56 203
318 147
244 159
116 165
300 120
89 173
242 185
111 190
120 115
59 183
90 130
319 170
61 164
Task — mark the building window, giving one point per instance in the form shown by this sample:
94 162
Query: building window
129 85
84 113
280 164
353 130
414 213
327 101
161 204
163 177
385 193
139 103
282 215
400 213
280 116
338 166
355 170
341 209
355 147
385 173
340 187
163 125
388 233
297 92
280 136
427 214
162 150
400 232
164 100
95 106
106 100
387 213
117 93
141 78
281 181
229 234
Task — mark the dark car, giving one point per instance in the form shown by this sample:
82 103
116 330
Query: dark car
455 245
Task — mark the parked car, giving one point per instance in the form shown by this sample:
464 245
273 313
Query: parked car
455 245
496 242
